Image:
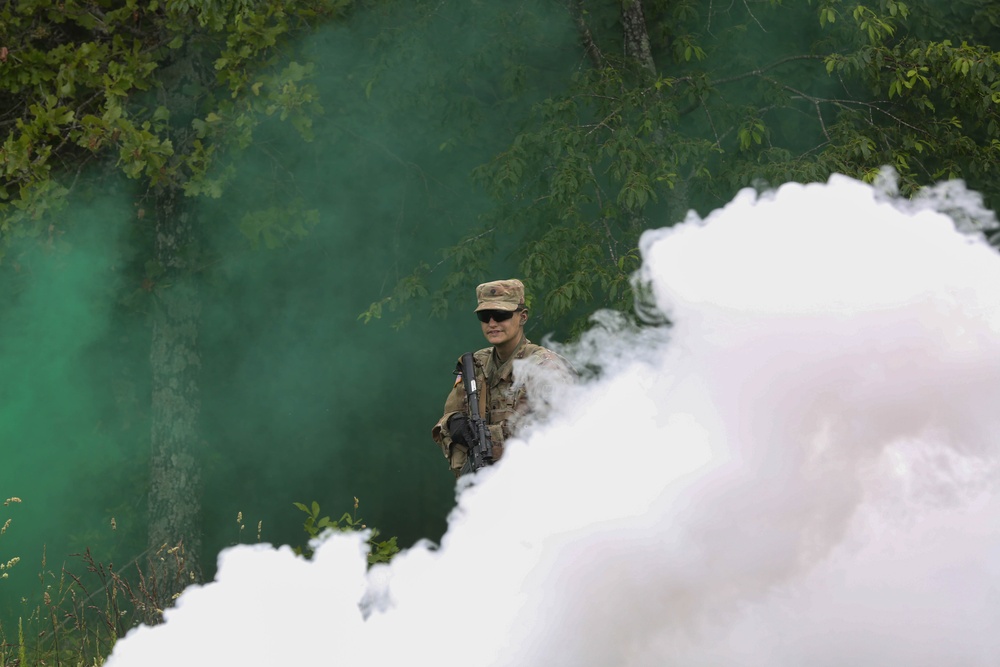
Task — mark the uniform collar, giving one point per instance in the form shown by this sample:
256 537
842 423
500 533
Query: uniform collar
496 370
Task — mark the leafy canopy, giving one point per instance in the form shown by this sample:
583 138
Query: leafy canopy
156 90
693 101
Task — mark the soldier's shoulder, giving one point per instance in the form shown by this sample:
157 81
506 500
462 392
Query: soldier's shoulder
533 350
479 355
544 356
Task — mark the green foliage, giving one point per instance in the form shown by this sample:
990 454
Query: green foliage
597 159
276 227
410 287
116 83
762 94
609 148
316 525
77 616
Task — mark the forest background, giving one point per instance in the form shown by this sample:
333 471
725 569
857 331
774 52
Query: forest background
239 239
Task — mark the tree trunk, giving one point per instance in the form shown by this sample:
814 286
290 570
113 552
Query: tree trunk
636 35
175 468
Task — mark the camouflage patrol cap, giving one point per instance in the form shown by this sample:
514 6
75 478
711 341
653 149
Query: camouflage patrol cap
500 295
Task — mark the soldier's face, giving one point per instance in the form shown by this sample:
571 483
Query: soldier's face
501 333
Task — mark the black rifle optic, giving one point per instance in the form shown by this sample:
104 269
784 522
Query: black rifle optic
481 450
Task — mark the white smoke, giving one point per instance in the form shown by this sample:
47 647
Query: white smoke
801 470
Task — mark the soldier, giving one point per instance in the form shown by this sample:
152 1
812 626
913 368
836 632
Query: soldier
503 399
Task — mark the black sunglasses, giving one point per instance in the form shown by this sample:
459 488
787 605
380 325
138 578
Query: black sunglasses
495 315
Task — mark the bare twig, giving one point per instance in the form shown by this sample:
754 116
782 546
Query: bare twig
750 11
765 68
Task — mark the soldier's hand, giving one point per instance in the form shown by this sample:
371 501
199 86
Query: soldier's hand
461 429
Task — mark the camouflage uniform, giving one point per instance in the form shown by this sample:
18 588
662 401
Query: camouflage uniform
503 400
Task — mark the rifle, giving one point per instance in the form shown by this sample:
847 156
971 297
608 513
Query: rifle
481 450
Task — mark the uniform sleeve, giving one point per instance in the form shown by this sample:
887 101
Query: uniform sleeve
561 370
454 404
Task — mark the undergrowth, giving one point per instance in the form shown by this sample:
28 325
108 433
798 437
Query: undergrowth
316 525
78 613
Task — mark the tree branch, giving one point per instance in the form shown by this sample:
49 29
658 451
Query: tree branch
589 45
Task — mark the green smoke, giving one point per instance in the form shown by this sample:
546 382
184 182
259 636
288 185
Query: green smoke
301 401
66 454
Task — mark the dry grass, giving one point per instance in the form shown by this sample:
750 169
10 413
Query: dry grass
75 618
